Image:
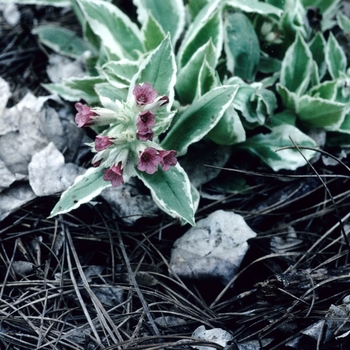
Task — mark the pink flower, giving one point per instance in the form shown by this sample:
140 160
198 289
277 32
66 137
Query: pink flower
85 115
145 135
145 121
149 160
102 142
114 174
144 94
96 164
167 159
163 100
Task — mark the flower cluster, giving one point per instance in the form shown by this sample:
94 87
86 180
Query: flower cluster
127 142
150 158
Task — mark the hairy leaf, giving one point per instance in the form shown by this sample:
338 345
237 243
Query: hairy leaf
169 14
171 191
297 67
207 25
187 80
84 188
115 29
265 145
62 40
199 118
335 57
241 46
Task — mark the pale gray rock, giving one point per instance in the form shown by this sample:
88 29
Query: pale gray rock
48 173
215 335
9 120
17 147
5 94
61 67
128 203
10 13
29 126
14 197
214 248
22 268
6 177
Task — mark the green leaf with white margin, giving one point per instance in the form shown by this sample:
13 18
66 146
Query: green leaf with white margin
343 88
206 25
187 79
265 145
289 99
153 33
314 76
75 89
321 113
241 46
318 51
86 85
343 22
62 40
269 65
199 118
115 29
120 73
169 14
326 90
284 117
292 22
57 3
254 102
335 57
266 102
345 126
158 69
108 90
195 200
229 130
171 191
68 93
84 188
255 6
195 6
297 67
207 79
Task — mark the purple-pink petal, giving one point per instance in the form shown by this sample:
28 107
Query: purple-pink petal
163 100
85 115
144 94
145 135
114 174
102 142
145 120
96 164
149 160
167 159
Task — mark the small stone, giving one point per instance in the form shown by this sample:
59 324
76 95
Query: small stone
214 248
13 197
6 177
215 335
48 174
128 203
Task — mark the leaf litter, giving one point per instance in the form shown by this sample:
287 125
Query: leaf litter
78 281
